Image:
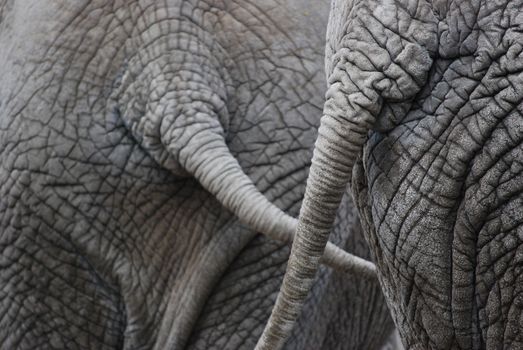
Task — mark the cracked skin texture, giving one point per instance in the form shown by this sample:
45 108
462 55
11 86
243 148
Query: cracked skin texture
440 184
101 246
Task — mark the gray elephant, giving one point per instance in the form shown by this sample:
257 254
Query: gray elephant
143 146
423 118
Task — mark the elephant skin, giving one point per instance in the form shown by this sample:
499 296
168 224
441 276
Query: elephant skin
106 241
445 188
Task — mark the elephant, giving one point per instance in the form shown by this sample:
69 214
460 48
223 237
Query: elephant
423 119
153 156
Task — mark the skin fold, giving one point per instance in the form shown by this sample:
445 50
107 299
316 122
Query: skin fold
424 119
135 137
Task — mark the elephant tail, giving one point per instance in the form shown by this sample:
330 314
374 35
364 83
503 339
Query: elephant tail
206 156
179 114
337 147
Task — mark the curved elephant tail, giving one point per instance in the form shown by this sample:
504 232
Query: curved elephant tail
207 157
180 117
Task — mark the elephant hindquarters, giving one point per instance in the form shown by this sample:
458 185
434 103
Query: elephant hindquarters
441 199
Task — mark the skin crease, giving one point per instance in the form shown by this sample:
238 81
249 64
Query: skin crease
106 243
436 87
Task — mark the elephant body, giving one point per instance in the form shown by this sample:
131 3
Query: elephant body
443 187
105 242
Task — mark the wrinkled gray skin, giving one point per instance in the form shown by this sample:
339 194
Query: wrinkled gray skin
112 233
424 117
